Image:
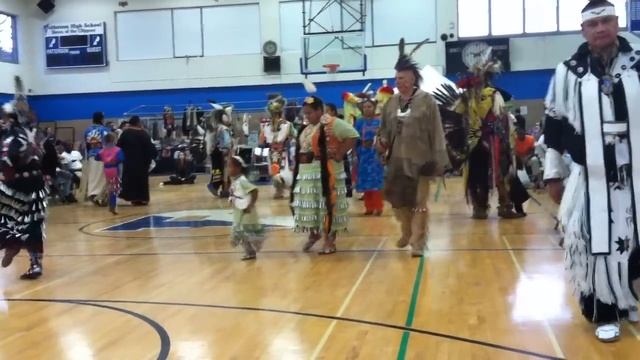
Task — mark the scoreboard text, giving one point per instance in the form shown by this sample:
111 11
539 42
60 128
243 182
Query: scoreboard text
79 44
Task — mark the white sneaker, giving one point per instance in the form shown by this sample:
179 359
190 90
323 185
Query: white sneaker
608 333
633 315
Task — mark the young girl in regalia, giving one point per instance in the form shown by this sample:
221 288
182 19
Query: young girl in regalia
247 230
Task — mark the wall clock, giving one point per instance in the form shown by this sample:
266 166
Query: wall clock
473 52
270 48
462 55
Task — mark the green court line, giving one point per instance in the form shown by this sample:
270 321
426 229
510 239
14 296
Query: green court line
402 352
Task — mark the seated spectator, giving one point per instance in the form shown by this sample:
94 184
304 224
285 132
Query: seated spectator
184 169
71 160
65 177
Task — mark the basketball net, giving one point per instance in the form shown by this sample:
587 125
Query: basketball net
332 70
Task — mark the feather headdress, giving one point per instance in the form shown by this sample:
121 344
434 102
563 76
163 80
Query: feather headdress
18 105
309 86
276 105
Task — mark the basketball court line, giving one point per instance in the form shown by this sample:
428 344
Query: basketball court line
304 314
106 235
545 323
404 343
165 340
234 252
86 269
345 303
213 236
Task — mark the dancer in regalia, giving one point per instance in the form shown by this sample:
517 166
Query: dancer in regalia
370 179
319 192
94 182
247 230
279 134
23 191
594 100
490 139
219 142
112 157
411 138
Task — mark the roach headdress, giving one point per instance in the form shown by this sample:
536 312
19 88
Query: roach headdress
407 63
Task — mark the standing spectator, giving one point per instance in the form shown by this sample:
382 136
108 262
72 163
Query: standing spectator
139 152
123 126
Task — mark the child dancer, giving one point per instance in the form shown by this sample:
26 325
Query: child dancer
247 230
370 180
112 156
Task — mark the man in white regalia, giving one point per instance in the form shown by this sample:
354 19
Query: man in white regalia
594 99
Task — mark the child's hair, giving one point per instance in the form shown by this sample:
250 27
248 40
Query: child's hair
110 138
237 161
370 101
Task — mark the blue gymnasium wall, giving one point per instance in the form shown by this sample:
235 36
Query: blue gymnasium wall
5 98
524 85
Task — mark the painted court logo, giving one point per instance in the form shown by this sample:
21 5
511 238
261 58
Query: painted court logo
192 219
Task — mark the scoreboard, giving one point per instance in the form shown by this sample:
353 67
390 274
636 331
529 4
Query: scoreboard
634 16
80 44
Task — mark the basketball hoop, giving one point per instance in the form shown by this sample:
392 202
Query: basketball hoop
331 68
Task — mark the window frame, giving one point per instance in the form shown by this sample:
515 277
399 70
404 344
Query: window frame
15 36
173 45
525 34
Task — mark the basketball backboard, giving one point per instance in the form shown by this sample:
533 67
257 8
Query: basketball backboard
344 49
333 16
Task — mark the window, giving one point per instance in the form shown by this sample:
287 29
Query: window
570 17
201 31
231 30
415 20
539 16
480 18
473 18
187 32
507 17
8 39
144 35
621 9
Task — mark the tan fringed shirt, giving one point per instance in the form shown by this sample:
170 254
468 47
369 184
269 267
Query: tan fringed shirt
418 146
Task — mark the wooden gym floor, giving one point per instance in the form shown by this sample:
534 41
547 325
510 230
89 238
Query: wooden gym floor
162 282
